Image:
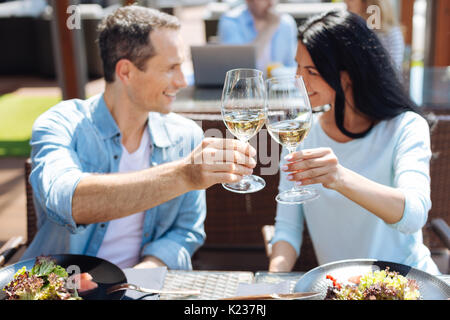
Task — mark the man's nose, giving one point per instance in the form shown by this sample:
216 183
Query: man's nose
180 80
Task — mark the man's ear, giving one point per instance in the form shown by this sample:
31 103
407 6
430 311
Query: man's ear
346 82
123 70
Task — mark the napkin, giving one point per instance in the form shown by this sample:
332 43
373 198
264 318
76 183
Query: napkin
250 289
150 278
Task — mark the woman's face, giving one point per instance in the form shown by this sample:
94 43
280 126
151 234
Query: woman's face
319 92
355 6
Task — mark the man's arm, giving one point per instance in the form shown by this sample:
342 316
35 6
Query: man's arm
105 197
100 198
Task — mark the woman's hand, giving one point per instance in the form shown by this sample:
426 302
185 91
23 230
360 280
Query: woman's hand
313 166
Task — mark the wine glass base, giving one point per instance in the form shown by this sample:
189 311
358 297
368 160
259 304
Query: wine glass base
248 184
297 197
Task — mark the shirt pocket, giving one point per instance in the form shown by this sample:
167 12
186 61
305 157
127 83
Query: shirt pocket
93 154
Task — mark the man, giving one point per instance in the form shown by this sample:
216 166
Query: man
108 177
258 23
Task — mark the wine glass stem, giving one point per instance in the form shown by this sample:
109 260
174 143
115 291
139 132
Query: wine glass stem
295 187
245 177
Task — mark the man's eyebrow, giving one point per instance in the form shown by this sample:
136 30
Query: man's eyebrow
174 64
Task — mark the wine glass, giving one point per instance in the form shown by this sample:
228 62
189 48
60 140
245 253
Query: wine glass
289 119
244 114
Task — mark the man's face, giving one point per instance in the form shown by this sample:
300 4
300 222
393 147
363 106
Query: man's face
259 8
154 89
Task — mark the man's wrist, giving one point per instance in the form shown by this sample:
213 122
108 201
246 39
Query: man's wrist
183 169
150 262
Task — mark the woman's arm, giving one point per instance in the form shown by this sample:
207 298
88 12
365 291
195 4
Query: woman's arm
322 166
283 257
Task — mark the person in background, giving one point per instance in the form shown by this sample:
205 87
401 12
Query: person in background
119 176
389 32
368 156
258 23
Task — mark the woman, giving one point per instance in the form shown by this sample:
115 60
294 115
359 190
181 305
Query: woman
389 31
372 167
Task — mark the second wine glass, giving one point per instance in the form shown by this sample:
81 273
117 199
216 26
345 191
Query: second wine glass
244 114
289 119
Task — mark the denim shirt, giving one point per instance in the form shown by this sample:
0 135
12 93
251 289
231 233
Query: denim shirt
77 138
237 27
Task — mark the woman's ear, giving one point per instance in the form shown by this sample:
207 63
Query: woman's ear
346 82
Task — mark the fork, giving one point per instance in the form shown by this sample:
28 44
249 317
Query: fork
129 286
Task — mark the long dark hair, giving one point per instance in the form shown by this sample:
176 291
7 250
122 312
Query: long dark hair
341 41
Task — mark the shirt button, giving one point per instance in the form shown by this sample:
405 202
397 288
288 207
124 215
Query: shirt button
102 225
116 157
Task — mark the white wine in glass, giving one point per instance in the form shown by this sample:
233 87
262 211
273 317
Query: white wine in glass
244 114
289 119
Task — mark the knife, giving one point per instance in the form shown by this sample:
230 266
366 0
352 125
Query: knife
275 296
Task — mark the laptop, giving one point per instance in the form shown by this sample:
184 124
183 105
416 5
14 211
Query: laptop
212 61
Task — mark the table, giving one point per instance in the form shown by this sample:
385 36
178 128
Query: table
223 284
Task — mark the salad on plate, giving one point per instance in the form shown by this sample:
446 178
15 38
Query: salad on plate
47 281
375 285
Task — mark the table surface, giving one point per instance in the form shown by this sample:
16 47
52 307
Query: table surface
224 284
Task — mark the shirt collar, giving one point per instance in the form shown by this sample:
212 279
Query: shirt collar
108 128
102 118
158 130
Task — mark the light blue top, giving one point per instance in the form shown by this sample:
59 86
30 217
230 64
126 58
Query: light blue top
395 153
77 138
237 27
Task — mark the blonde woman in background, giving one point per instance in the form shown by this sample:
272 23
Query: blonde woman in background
389 32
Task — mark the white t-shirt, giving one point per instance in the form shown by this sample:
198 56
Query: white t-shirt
122 242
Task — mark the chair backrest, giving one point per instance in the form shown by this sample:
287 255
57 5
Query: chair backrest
440 177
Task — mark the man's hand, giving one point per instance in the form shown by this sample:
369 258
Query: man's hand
218 161
149 262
